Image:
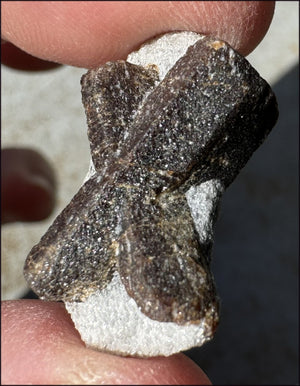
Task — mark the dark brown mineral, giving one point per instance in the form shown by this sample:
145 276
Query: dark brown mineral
151 141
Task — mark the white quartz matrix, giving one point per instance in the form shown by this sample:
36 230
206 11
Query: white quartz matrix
110 320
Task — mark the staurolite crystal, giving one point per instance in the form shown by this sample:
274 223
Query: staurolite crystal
169 128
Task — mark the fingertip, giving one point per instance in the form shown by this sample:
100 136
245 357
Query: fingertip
13 57
86 34
28 185
41 346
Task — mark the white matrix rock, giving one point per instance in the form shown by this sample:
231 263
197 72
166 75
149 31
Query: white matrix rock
110 320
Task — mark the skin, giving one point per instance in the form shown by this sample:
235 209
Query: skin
28 191
39 342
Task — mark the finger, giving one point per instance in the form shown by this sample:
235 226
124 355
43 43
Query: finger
13 57
86 34
27 186
41 346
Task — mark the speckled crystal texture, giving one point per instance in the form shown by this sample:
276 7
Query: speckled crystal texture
170 128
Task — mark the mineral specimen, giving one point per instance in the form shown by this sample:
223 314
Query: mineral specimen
169 128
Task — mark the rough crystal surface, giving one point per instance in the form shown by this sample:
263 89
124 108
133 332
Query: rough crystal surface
169 129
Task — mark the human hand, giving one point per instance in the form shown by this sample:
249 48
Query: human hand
39 342
87 33
28 188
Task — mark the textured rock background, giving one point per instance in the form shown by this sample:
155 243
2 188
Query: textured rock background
256 243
